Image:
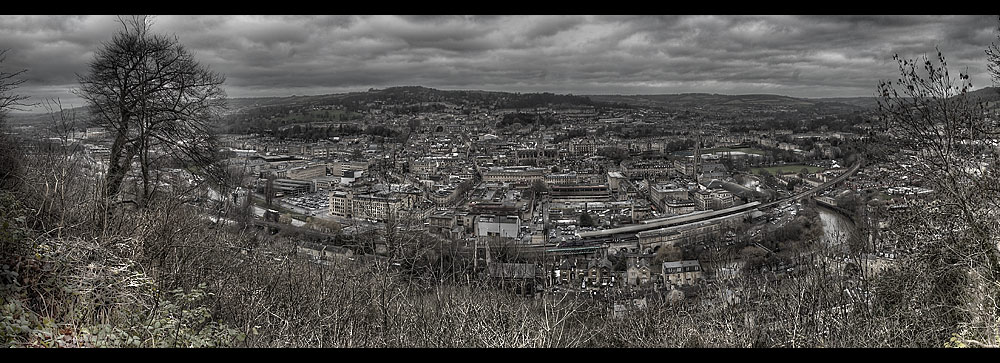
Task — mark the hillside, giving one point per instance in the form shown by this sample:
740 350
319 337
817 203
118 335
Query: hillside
863 102
990 95
416 95
417 98
43 119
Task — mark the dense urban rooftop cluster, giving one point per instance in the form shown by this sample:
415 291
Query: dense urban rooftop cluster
553 181
579 189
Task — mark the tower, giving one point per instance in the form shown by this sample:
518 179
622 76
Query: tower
697 157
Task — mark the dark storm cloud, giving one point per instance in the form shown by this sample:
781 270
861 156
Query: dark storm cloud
811 56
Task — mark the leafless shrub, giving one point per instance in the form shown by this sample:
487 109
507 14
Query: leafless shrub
946 282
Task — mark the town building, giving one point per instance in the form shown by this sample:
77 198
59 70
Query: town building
714 199
499 226
521 278
513 174
380 207
686 272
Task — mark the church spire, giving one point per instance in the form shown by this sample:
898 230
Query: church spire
697 158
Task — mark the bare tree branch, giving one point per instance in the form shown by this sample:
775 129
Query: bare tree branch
151 94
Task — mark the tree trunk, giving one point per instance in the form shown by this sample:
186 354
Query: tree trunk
119 165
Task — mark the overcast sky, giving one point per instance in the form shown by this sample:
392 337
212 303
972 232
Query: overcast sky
801 56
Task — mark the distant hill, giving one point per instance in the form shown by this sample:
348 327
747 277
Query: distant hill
417 95
43 119
863 102
991 95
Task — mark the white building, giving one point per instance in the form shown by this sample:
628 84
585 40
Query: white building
500 226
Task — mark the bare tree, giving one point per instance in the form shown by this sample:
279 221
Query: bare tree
993 61
9 81
156 100
933 131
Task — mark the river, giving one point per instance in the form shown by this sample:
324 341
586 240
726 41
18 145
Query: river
836 228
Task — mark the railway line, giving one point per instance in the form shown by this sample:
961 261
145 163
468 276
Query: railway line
657 223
